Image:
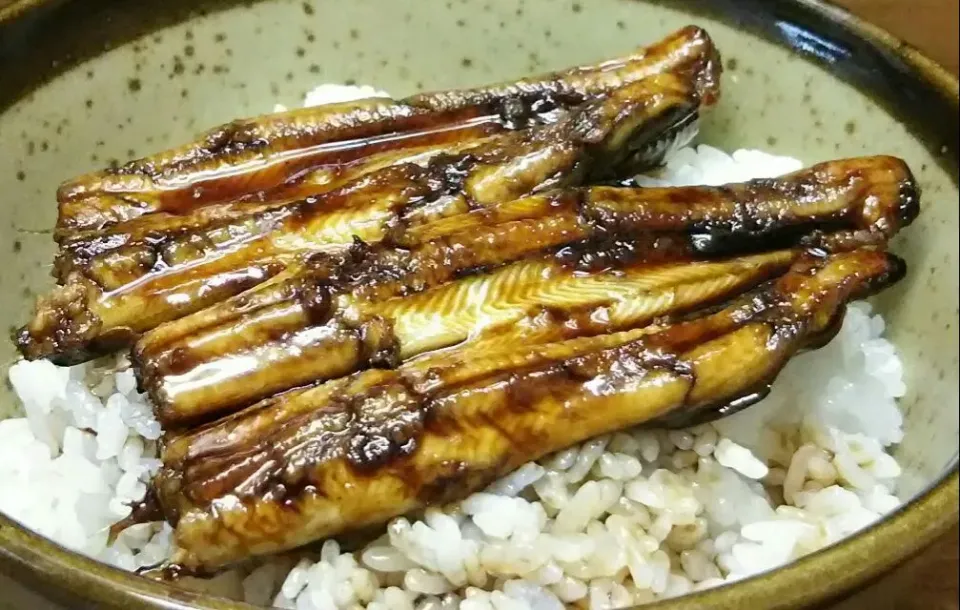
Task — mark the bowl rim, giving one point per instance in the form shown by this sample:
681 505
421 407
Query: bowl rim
820 577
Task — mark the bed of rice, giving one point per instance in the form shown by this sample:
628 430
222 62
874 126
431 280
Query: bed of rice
625 519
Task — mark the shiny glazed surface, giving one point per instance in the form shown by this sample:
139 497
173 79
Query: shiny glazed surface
849 124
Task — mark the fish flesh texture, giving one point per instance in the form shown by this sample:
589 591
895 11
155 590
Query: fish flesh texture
565 250
133 276
312 150
260 355
359 450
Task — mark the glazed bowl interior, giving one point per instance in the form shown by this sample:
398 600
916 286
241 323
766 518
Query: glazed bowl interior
162 88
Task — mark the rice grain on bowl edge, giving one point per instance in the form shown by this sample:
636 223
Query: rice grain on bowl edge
625 519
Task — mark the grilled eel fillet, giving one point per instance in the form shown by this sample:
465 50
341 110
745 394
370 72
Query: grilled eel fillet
566 250
310 150
359 450
137 275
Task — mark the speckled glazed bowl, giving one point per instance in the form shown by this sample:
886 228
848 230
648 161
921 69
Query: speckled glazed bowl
84 83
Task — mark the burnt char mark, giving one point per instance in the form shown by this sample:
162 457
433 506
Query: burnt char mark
371 427
371 430
359 269
609 252
516 393
896 270
598 254
343 265
518 112
245 219
759 215
513 392
276 179
909 207
377 441
473 270
447 174
446 481
381 347
233 138
177 361
64 328
71 350
359 251
317 302
76 254
723 241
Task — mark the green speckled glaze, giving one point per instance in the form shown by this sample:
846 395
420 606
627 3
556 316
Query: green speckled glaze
164 87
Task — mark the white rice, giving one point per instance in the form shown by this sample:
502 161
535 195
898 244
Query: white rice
630 518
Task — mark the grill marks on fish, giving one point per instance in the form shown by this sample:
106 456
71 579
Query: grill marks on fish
360 449
276 152
168 267
608 249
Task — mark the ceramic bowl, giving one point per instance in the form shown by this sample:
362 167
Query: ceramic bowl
86 83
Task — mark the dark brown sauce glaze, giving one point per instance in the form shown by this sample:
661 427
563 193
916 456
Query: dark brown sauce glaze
304 172
297 450
170 268
595 230
170 373
444 175
269 152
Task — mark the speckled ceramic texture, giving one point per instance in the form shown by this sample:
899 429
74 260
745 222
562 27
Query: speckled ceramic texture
161 89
